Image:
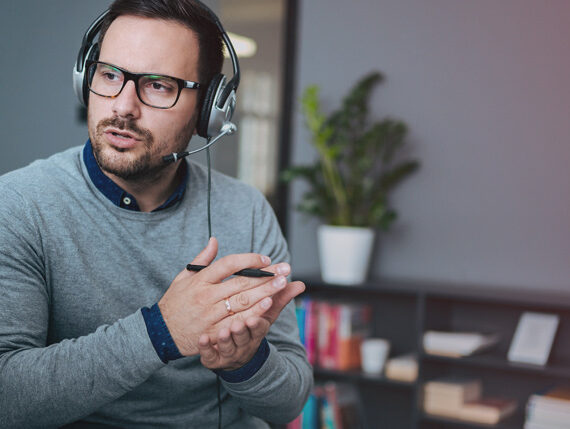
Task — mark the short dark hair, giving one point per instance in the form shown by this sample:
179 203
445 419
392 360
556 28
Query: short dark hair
193 14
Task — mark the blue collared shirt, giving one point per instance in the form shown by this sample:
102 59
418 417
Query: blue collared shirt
118 196
156 326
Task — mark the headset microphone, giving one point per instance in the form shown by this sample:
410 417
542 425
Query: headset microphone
227 129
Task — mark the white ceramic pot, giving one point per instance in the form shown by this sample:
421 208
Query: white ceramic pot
344 253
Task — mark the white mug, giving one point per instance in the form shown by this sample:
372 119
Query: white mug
374 352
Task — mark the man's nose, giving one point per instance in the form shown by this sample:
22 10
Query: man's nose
127 103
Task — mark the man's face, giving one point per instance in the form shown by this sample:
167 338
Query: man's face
129 138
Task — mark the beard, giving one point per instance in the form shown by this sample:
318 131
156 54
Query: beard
145 167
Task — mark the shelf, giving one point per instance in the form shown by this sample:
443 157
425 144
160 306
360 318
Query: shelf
402 311
513 422
365 291
359 377
484 294
499 362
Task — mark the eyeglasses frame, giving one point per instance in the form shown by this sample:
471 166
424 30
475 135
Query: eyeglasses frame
128 76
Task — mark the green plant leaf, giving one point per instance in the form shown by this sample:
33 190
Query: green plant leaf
355 171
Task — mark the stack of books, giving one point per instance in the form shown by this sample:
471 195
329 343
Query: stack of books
457 344
549 410
402 368
461 398
445 396
332 332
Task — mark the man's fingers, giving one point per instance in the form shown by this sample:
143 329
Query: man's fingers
231 264
281 299
245 299
208 254
258 327
259 287
208 354
226 345
240 333
257 310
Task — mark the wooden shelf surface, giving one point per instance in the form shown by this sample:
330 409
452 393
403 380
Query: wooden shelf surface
500 362
359 377
514 422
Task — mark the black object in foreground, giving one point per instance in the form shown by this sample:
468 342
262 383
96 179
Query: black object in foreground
247 272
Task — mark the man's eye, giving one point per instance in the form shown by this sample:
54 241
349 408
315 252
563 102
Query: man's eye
110 75
160 86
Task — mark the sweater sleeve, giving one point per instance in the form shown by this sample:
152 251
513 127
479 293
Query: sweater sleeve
278 391
49 385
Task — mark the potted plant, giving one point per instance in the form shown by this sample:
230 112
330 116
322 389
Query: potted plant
350 181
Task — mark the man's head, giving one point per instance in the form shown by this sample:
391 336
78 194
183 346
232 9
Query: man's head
176 38
187 12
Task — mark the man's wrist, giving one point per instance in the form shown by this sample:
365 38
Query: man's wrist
159 334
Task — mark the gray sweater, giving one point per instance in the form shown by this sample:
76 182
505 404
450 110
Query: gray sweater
74 272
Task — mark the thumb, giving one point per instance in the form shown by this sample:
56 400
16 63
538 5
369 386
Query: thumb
208 254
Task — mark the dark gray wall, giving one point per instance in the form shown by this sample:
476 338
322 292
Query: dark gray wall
484 87
39 42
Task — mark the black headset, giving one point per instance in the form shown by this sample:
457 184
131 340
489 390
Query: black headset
220 98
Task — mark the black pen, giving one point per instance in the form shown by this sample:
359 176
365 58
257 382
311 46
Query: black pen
246 272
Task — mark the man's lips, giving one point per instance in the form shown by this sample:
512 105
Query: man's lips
121 138
122 133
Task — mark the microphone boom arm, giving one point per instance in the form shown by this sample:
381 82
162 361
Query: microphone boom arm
227 129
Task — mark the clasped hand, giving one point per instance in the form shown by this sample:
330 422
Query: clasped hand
196 312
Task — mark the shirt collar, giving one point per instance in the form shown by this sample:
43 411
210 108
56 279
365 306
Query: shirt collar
116 194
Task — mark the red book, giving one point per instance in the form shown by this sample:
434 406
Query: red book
311 329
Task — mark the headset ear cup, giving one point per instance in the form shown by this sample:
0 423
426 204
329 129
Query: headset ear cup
208 104
92 55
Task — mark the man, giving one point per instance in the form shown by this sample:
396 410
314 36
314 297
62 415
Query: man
94 331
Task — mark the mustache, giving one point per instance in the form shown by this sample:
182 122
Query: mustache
125 125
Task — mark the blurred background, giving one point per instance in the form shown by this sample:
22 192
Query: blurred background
482 84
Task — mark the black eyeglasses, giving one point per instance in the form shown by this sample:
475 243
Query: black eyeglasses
154 90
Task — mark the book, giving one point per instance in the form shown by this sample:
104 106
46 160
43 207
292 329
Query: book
458 344
446 395
341 406
402 368
547 417
353 326
341 329
325 337
558 396
310 413
463 388
551 407
538 425
487 410
307 319
533 338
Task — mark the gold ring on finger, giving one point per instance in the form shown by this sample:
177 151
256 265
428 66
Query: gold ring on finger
228 306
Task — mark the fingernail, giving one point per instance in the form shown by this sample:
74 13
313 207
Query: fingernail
266 260
283 269
279 282
266 303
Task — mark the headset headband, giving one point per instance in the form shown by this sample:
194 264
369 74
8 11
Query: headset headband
94 29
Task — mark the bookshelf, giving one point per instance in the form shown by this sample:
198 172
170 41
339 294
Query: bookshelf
403 311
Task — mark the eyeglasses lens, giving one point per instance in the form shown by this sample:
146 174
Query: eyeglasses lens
153 90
